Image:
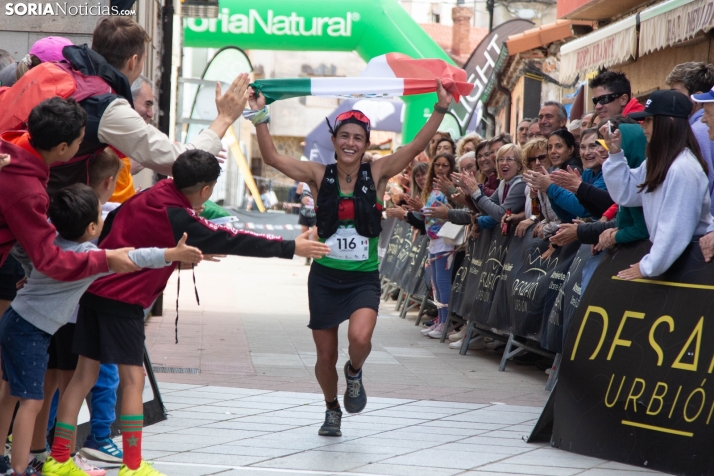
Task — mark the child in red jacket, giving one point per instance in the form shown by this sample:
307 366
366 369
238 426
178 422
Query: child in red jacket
55 131
110 323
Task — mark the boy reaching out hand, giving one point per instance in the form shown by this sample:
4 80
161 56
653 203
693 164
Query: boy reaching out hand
44 305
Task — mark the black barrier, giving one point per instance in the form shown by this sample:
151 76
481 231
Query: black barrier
470 281
566 301
457 287
483 290
384 237
401 262
635 382
413 280
532 284
394 244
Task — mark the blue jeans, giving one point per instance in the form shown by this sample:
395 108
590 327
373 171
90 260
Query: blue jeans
441 281
103 402
24 356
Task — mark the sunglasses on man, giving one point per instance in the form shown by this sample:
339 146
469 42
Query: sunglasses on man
606 98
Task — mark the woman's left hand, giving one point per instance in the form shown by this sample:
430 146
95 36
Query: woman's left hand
632 273
439 210
445 97
538 180
569 180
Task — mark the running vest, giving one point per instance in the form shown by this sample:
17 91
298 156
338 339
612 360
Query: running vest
368 212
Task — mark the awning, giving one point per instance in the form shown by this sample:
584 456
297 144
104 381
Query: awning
670 22
614 44
538 37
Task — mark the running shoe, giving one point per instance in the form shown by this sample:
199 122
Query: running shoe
4 464
101 450
355 396
52 467
425 332
145 469
458 335
30 471
331 427
437 331
37 464
88 468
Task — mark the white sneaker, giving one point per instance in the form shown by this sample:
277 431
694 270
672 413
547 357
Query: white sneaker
457 344
458 335
88 468
429 329
437 331
493 344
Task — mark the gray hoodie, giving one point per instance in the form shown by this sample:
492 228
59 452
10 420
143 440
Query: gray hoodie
48 304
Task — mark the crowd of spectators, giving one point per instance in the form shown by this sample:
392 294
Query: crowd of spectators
622 173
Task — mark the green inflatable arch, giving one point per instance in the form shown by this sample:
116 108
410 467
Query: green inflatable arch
369 27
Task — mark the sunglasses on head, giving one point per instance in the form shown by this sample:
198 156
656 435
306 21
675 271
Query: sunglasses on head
606 98
537 157
352 114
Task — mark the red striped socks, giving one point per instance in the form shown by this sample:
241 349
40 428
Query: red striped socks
131 430
63 439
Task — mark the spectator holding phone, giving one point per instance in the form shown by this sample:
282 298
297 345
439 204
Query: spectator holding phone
671 186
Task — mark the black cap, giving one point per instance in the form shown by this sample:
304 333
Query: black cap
665 103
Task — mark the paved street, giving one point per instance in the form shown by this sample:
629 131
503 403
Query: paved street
251 405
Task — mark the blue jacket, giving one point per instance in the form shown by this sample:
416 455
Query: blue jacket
564 202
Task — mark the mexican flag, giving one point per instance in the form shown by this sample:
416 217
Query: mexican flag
389 75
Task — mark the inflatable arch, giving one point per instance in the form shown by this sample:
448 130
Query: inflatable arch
369 27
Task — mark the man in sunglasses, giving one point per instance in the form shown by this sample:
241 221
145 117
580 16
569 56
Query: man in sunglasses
612 95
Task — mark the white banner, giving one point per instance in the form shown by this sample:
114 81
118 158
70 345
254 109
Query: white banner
612 45
672 22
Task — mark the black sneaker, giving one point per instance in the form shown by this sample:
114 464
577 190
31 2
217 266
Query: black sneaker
4 464
355 397
331 427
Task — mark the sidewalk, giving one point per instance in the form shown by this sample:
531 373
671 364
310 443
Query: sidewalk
242 432
254 407
250 331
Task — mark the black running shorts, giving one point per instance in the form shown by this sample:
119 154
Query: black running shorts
109 331
335 294
60 349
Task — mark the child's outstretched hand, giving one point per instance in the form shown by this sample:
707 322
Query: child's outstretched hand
184 253
4 160
308 248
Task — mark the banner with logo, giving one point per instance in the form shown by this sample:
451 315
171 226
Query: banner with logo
369 27
636 383
414 281
566 301
457 286
482 289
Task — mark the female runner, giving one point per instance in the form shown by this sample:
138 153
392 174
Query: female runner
344 285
